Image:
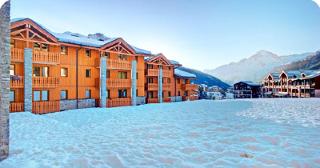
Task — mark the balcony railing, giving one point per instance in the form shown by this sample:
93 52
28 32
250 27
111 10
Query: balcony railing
166 86
153 72
16 107
191 98
17 82
45 82
119 83
189 87
167 73
39 57
45 57
152 100
119 102
153 86
118 64
45 107
16 55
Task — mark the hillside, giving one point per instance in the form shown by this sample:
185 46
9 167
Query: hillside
204 78
310 63
255 67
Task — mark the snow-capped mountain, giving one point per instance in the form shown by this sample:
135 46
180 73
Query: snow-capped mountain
255 67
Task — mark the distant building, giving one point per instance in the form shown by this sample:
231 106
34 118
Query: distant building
215 95
246 89
302 83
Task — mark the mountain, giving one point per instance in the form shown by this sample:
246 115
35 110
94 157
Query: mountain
310 63
255 67
203 78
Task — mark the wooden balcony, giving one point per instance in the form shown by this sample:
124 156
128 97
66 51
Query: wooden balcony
16 82
167 73
153 72
189 98
118 102
118 64
152 100
45 83
17 55
45 107
16 107
44 57
153 86
119 83
38 57
189 87
166 86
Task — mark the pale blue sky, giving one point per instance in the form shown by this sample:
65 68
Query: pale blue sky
200 34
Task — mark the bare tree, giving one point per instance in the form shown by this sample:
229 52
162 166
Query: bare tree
4 79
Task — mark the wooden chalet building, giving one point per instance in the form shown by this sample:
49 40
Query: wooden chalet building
184 89
52 72
246 89
302 83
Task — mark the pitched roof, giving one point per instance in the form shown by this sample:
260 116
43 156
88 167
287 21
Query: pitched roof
183 74
250 83
79 39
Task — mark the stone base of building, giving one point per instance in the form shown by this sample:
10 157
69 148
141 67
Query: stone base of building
72 104
317 93
141 100
176 99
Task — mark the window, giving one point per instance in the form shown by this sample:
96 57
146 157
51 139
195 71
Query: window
169 80
64 50
150 95
122 75
137 91
122 57
108 74
63 94
36 95
150 80
44 95
88 73
137 75
150 66
178 80
12 70
11 96
186 93
45 71
40 71
88 93
108 94
88 53
122 93
36 71
37 46
105 54
169 94
179 93
41 95
45 47
64 72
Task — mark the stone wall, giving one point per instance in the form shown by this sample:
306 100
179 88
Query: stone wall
141 100
86 103
176 99
317 93
4 79
68 104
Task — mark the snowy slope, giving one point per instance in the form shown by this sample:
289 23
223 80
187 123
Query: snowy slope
228 133
255 67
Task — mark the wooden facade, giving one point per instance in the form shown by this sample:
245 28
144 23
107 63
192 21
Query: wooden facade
302 84
66 73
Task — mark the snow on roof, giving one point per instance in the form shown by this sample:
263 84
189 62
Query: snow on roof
174 62
250 83
79 39
2 2
183 74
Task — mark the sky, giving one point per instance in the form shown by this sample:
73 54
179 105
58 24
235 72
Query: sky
200 34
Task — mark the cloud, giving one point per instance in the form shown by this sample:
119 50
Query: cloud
317 2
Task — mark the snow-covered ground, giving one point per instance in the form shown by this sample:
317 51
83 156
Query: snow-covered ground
228 133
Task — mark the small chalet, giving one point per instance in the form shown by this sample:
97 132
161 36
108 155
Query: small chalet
246 89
